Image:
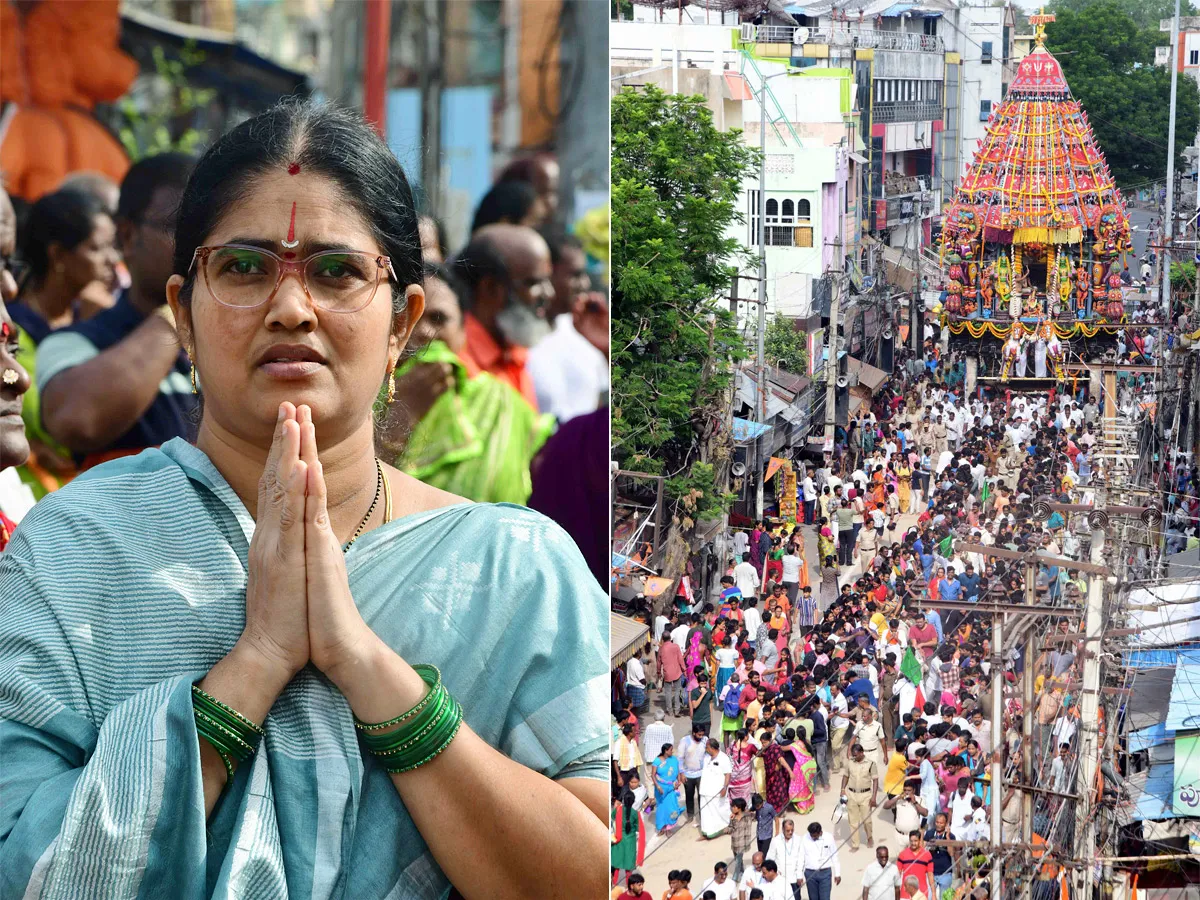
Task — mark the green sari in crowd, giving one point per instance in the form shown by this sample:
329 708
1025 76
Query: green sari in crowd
477 440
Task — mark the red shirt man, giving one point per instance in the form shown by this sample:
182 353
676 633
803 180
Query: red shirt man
670 661
915 860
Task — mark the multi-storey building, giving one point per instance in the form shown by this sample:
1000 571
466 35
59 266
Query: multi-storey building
811 206
1187 62
904 83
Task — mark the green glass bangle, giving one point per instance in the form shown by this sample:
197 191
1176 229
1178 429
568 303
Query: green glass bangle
417 725
208 700
437 737
442 707
432 676
212 728
396 768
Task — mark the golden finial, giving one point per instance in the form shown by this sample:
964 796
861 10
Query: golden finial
1040 20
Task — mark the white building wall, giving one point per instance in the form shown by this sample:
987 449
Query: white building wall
981 81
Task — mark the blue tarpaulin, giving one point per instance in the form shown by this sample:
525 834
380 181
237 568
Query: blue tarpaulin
744 430
1153 659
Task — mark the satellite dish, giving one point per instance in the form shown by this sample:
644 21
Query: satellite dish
843 381
800 35
738 470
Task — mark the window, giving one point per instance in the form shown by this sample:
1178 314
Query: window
803 210
772 207
788 210
985 110
780 236
803 237
1194 57
987 53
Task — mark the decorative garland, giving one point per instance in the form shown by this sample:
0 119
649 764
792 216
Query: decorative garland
1001 332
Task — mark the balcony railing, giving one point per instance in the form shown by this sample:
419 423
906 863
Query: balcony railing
896 185
907 111
842 37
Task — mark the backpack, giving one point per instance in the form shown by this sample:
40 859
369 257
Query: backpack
732 696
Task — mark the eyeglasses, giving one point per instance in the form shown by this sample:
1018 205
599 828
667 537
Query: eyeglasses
18 268
243 277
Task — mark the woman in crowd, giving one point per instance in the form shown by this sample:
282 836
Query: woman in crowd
667 781
741 758
14 380
628 836
68 244
301 630
474 437
801 765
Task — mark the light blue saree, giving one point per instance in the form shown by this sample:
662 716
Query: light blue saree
123 588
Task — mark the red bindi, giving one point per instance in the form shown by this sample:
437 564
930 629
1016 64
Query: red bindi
289 255
294 169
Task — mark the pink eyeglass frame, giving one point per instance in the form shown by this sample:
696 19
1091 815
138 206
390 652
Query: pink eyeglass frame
288 267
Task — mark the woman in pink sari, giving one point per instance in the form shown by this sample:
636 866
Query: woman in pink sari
695 657
741 755
801 762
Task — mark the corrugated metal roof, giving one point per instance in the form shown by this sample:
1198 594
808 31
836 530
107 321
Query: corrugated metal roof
624 635
1183 712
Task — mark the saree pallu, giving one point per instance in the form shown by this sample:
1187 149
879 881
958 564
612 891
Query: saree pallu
628 840
800 790
478 440
776 778
666 796
126 586
741 779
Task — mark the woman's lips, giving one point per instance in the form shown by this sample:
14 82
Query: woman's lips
291 369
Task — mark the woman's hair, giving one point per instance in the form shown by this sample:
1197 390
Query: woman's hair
508 201
321 139
66 217
665 749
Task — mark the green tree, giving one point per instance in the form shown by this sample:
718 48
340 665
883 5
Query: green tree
786 348
676 181
161 121
1107 56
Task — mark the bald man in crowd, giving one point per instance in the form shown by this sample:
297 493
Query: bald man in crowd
505 272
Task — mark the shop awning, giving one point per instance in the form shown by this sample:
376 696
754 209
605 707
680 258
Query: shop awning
738 88
624 636
868 376
859 158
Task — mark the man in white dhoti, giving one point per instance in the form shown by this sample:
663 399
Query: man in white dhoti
714 791
1023 360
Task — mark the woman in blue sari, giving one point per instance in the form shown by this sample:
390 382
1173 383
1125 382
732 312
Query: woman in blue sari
666 790
207 651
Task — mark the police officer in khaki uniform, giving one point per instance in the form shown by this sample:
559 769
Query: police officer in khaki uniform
871 736
860 791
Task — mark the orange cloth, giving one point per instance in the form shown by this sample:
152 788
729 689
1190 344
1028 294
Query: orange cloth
482 354
56 62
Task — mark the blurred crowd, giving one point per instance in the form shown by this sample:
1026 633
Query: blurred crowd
502 396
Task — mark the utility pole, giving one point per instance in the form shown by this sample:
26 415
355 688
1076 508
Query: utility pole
432 80
831 364
1089 726
1169 215
997 727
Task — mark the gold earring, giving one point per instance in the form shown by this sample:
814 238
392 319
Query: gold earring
391 393
195 390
